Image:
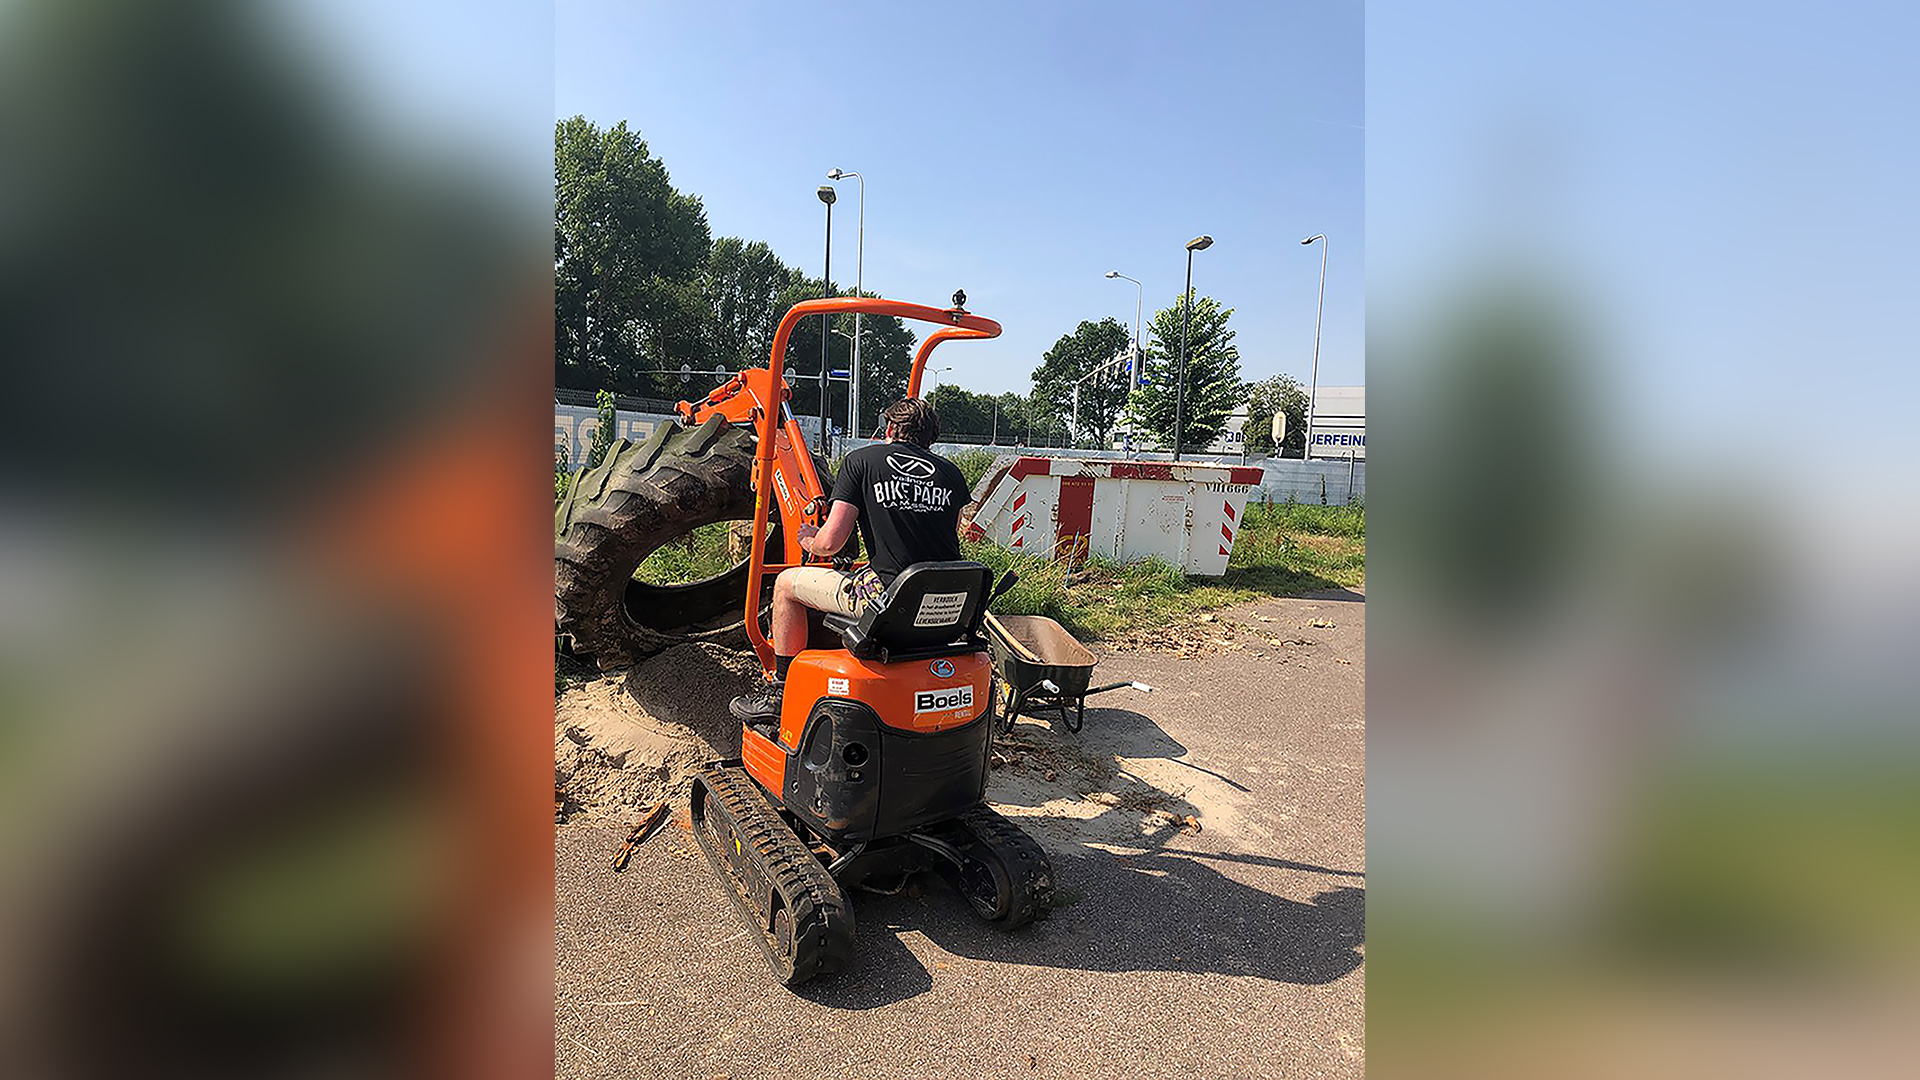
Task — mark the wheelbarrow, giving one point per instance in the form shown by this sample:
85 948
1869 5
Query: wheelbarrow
1044 667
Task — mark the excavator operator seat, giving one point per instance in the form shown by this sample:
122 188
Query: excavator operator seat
932 609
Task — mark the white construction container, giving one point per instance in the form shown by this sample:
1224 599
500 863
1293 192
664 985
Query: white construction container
1184 512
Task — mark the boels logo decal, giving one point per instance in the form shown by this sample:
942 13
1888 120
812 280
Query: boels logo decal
944 699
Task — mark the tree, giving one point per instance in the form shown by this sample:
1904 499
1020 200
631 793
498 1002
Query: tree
970 416
963 412
1213 375
639 288
1277 393
628 250
745 284
1092 346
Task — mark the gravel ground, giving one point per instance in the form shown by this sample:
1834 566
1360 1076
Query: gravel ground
1235 951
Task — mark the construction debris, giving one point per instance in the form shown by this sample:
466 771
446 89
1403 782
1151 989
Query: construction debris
639 835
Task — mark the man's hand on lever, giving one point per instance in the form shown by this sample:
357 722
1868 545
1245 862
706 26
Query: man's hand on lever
833 536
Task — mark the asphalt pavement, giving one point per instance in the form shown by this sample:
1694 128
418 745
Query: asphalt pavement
1237 950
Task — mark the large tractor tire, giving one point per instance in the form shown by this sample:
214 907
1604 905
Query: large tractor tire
616 515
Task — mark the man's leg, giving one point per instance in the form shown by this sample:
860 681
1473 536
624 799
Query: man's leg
789 624
794 592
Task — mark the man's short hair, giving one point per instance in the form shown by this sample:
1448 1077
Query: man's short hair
914 420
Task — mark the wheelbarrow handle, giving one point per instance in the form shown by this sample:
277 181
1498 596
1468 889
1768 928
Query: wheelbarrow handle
1140 686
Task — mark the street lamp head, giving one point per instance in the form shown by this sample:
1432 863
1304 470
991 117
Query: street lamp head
826 194
834 174
1200 243
1113 273
1315 236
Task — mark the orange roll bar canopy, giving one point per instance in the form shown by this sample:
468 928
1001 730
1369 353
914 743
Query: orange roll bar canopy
784 467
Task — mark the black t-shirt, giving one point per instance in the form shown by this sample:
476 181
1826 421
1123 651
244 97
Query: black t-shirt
909 500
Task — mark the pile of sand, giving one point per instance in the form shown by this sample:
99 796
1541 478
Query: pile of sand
624 742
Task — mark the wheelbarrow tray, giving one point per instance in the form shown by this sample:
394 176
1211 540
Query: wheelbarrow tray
1028 649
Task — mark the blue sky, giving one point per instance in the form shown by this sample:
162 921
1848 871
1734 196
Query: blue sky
1723 192
1016 151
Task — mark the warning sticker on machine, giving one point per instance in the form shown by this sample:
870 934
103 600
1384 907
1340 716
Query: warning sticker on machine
837 686
943 699
940 609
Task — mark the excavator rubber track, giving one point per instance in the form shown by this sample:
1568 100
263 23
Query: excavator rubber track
1004 873
782 891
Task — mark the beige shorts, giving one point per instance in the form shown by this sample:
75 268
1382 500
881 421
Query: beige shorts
823 588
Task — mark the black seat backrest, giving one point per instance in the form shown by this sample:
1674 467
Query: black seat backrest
932 609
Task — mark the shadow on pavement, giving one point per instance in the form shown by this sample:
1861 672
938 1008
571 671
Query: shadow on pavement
884 970
1133 906
1154 912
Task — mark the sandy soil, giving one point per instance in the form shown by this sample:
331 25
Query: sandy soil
624 742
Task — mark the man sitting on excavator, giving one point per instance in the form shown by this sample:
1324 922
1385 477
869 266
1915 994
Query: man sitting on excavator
906 500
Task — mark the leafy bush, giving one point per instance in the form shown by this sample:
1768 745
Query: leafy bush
602 430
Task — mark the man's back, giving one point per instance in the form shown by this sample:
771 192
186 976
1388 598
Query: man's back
909 500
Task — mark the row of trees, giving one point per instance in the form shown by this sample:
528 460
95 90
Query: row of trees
641 289
1094 355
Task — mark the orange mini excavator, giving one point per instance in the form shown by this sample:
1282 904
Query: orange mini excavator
877 765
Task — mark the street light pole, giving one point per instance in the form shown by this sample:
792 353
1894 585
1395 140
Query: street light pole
1100 368
1133 362
826 320
859 284
1198 243
1313 381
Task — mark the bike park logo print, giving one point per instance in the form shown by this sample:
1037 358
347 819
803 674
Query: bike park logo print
942 669
913 468
913 486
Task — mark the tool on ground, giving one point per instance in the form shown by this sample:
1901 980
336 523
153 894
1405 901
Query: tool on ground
639 834
876 768
1044 666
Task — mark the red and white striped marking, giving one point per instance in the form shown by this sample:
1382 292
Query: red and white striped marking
1127 510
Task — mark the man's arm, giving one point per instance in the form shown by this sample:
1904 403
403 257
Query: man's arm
835 533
